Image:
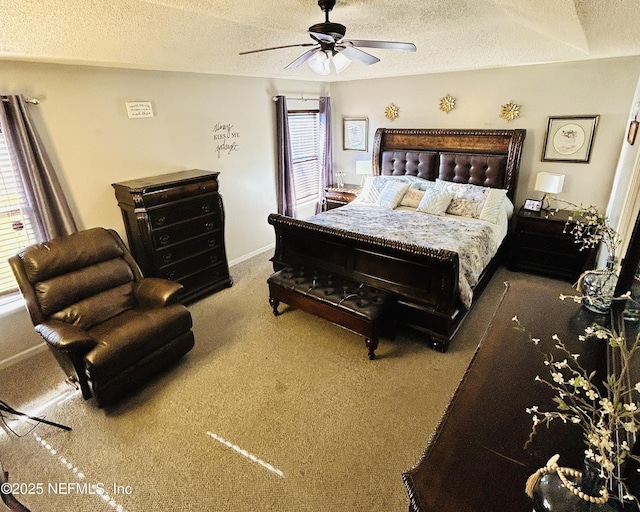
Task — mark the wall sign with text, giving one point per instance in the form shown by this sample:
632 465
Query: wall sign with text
226 139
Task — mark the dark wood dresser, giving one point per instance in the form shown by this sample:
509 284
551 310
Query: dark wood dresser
336 196
542 244
476 461
175 226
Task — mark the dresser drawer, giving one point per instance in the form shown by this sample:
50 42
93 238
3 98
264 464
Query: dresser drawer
165 195
543 242
189 266
174 253
177 233
210 277
552 228
177 212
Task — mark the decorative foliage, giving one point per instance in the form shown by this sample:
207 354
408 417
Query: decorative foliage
447 103
592 228
604 410
391 112
510 111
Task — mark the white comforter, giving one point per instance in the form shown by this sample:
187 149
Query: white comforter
475 241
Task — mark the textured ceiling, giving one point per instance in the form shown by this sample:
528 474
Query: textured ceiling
206 36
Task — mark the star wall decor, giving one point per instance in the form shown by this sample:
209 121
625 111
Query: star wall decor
447 103
391 112
510 111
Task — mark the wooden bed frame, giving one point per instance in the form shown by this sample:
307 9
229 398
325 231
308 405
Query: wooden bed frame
423 281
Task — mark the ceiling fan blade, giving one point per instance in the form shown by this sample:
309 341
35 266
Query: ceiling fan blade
276 48
327 38
384 45
302 59
356 54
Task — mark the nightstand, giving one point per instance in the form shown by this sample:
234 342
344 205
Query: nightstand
542 243
339 196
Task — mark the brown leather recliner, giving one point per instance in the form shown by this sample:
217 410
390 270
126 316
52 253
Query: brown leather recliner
109 327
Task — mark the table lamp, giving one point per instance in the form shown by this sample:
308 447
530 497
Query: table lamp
549 183
363 167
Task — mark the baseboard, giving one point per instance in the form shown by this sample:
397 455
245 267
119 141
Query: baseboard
26 354
41 347
250 255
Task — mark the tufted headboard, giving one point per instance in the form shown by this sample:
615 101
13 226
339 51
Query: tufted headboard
489 158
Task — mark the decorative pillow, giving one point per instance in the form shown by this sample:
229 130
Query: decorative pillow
508 207
468 200
412 197
435 201
493 205
369 193
373 186
392 193
423 184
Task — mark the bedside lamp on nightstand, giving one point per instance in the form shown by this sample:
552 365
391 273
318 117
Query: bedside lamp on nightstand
363 168
549 183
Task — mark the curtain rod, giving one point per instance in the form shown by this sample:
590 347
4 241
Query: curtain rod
33 101
301 98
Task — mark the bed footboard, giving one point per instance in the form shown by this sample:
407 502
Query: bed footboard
423 281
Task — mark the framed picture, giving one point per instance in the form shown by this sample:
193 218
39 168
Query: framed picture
355 133
533 205
569 139
633 131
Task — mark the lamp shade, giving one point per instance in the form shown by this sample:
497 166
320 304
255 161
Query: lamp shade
549 183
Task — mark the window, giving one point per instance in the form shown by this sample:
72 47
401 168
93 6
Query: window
305 153
16 229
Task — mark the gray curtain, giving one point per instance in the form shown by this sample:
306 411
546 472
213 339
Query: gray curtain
286 193
326 170
49 208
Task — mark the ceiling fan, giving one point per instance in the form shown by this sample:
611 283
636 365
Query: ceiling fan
330 51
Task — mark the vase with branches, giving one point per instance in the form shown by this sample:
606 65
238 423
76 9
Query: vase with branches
591 229
607 411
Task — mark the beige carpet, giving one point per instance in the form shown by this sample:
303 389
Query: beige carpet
266 413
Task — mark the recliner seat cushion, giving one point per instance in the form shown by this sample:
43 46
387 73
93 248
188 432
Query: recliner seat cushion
130 336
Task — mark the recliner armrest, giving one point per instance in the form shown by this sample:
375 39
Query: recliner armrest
154 292
64 336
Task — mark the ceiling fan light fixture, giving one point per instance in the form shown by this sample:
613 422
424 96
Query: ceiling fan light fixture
319 62
340 62
330 51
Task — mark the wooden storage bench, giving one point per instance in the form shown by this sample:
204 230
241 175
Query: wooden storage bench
352 305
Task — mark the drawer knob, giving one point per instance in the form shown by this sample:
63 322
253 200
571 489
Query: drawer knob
209 226
164 239
160 221
203 188
206 208
214 258
212 242
167 257
171 275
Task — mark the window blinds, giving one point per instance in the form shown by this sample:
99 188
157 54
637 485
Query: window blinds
16 230
305 153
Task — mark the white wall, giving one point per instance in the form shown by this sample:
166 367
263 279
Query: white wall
82 119
624 202
603 87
